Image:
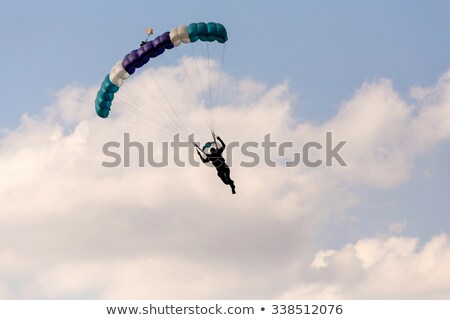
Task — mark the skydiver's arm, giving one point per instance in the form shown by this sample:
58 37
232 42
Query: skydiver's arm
201 157
223 145
205 160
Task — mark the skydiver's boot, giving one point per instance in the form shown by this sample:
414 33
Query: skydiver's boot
233 191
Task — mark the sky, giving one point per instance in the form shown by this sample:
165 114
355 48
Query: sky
376 75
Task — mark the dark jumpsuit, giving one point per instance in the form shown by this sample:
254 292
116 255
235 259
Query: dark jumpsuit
223 171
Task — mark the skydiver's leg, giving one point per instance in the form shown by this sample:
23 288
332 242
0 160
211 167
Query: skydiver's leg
230 182
233 187
222 175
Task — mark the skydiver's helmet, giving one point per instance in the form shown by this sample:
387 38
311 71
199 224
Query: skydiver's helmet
211 147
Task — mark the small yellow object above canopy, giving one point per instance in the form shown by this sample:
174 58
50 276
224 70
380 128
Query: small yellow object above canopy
149 31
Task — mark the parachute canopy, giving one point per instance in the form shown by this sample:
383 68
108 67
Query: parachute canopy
123 69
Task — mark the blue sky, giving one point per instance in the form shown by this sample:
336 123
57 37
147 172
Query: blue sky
375 73
325 48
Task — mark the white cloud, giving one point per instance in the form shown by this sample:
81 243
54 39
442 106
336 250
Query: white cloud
397 227
71 228
384 133
380 268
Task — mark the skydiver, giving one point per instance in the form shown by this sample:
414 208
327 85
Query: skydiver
223 171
